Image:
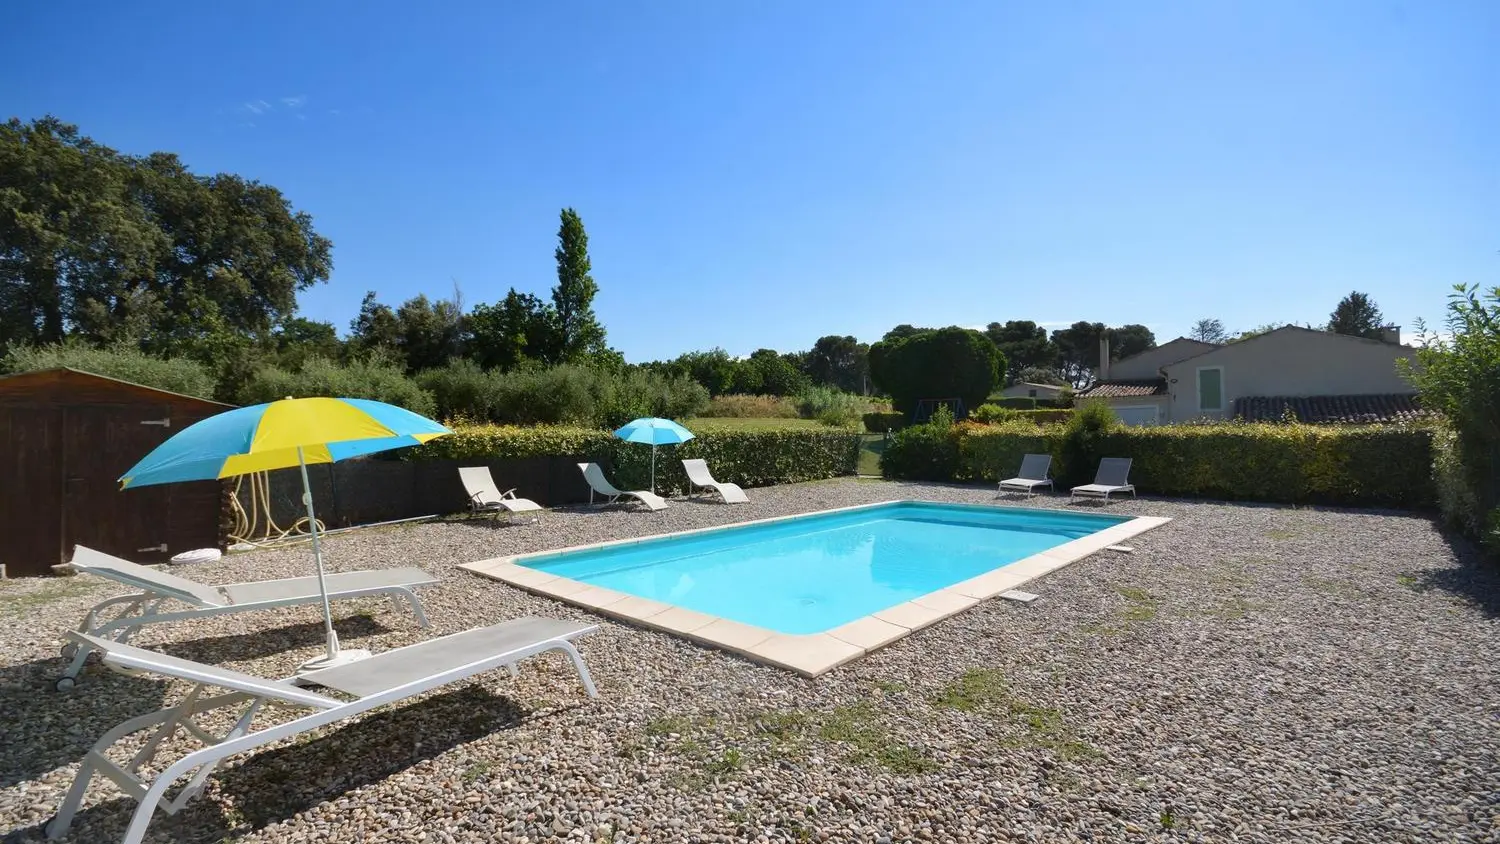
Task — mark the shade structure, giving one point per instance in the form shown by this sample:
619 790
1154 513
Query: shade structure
280 435
654 431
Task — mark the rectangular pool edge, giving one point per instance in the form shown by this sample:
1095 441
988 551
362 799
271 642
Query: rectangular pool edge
814 654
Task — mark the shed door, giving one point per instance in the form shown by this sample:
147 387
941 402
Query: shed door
103 441
31 487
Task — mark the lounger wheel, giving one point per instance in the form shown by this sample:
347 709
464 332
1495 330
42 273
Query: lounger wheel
70 650
65 684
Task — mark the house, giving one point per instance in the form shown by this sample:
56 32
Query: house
1026 389
1315 375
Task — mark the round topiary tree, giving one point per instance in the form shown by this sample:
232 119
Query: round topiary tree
949 362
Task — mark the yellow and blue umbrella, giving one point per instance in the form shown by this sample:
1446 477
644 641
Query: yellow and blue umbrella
280 435
650 429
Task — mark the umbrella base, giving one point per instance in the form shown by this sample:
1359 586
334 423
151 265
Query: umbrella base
340 658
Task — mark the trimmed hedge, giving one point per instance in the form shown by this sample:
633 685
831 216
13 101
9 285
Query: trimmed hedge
747 458
880 423
993 414
1354 465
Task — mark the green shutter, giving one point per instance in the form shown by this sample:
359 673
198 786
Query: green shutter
1210 389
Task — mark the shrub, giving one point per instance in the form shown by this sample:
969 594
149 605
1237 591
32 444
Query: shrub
880 422
1083 442
751 407
926 452
127 363
1352 465
830 406
1049 416
462 389
567 394
992 413
1015 402
619 398
748 458
948 363
1064 397
372 378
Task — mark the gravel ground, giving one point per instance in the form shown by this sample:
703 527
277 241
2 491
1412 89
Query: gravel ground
1248 674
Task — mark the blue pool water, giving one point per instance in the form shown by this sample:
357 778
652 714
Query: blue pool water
816 572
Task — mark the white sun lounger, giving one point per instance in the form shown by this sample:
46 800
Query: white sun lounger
700 478
129 613
375 681
1034 469
601 485
1113 476
485 495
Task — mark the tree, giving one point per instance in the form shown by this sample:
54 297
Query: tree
430 333
579 333
508 333
839 362
777 375
376 328
947 363
1209 330
1078 348
1259 330
110 247
1039 375
299 339
1129 341
1024 344
1356 316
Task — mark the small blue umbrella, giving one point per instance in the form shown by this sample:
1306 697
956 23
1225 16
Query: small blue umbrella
656 432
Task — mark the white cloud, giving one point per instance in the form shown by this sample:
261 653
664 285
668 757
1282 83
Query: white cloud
257 106
294 102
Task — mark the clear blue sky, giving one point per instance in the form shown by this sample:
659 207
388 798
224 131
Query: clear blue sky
763 173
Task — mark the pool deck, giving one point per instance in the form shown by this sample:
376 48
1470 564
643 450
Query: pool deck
811 654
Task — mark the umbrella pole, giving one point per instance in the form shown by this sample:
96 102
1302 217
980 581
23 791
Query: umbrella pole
334 656
653 468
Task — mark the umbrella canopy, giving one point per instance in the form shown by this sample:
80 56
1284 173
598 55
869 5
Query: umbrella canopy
280 435
654 432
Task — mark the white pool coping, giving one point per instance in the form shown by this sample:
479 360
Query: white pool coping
815 653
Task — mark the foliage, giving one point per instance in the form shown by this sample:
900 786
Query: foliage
298 339
751 407
1082 442
989 414
1460 378
1016 402
1356 316
748 458
1363 465
946 363
773 373
371 377
563 394
842 363
1027 348
880 422
1064 397
510 332
1209 330
831 407
109 247
579 334
177 375
1078 348
926 452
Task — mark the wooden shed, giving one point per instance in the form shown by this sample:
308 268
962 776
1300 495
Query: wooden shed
66 436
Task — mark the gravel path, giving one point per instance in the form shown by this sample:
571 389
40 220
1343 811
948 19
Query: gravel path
1248 674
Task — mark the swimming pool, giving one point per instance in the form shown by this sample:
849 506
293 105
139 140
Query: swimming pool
814 591
813 574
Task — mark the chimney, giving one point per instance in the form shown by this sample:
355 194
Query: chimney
1104 356
1391 334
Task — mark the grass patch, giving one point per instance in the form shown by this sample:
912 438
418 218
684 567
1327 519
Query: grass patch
871 447
729 761
1407 580
782 725
976 689
856 726
475 771
667 725
56 589
984 690
1330 586
1140 604
890 687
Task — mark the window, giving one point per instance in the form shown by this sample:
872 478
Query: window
1031 393
1211 388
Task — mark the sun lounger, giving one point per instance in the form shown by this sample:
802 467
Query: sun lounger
700 478
601 485
378 680
1113 476
129 613
485 495
1034 469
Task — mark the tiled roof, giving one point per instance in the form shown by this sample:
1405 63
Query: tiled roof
1330 409
1125 389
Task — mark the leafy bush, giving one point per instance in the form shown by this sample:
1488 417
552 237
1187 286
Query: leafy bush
177 375
1064 397
1459 377
565 394
879 422
992 413
461 390
748 458
1083 442
751 407
372 378
831 407
926 452
948 363
1015 402
1351 465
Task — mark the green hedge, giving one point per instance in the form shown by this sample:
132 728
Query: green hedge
1353 465
879 423
747 458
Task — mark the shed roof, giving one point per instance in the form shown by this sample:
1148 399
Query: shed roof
1330 409
62 375
1118 389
